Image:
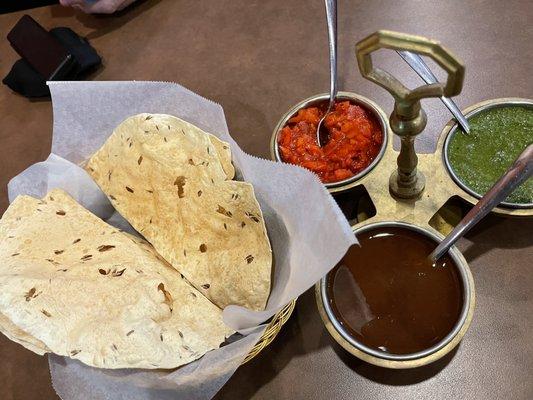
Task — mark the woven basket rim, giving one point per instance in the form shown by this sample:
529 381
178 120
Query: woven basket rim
272 330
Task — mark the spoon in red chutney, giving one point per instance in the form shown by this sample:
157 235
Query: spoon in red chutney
322 134
520 171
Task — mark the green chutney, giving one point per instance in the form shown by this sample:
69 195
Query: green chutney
497 137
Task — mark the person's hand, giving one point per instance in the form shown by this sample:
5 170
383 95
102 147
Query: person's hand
98 6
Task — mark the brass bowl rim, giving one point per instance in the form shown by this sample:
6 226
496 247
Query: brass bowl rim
379 114
450 131
426 356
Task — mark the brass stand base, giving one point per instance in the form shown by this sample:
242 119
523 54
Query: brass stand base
417 210
411 191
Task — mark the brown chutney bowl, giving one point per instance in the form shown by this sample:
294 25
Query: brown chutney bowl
402 361
367 104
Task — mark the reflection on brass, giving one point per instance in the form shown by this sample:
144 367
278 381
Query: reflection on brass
408 118
448 216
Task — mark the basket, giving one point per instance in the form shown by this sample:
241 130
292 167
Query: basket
271 331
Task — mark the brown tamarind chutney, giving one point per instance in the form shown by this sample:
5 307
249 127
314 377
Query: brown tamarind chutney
390 297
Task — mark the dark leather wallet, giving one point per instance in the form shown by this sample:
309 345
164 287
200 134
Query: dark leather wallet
24 78
40 49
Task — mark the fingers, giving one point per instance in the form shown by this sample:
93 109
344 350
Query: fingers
99 6
71 3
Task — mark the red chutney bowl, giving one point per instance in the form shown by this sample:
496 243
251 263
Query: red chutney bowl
371 110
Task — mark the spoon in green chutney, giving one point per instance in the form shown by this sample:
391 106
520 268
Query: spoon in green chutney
520 171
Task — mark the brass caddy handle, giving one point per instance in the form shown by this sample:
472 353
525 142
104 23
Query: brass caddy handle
417 44
408 119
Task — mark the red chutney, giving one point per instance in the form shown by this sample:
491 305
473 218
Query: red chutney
355 139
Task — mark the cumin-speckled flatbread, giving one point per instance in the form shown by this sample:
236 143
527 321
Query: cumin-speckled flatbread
14 333
75 286
172 182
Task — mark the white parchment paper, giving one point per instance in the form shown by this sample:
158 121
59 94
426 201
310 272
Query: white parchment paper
307 230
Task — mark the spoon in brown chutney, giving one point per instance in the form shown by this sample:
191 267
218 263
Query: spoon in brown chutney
520 171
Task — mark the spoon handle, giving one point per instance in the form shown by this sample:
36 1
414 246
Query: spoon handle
418 64
331 17
521 170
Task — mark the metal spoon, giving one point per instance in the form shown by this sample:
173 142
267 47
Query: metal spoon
418 64
521 170
322 134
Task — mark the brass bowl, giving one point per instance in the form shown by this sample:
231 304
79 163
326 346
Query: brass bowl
402 361
451 129
377 112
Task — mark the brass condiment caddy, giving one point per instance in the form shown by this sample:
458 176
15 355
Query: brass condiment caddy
416 191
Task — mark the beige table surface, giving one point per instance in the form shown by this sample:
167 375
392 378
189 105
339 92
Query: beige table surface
257 58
